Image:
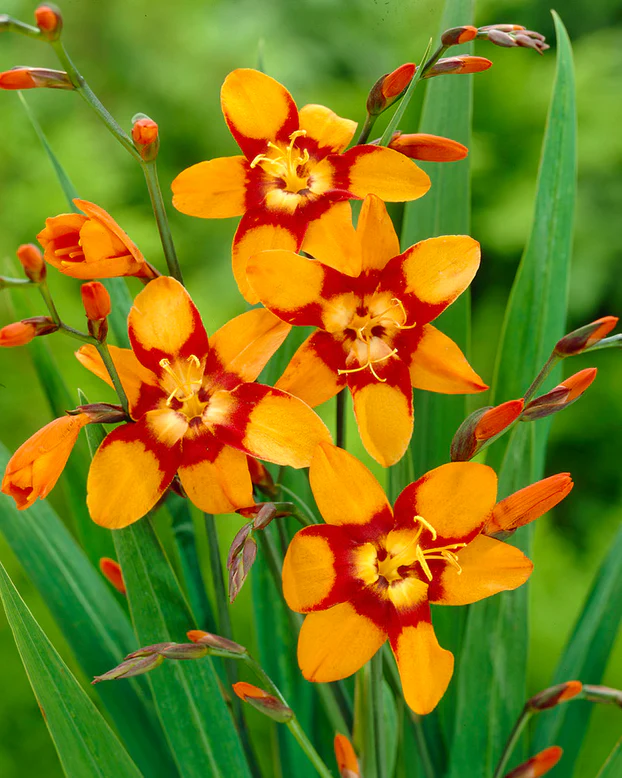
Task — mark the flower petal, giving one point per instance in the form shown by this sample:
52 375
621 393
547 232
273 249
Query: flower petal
345 490
430 275
328 133
130 471
456 499
312 372
215 189
488 567
333 241
244 345
377 234
315 569
383 409
529 503
98 214
368 169
335 643
257 109
165 324
215 477
436 363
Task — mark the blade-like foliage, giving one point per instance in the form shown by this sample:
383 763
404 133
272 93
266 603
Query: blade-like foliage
85 743
613 766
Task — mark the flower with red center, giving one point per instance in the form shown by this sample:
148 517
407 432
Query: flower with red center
374 333
371 572
196 411
291 183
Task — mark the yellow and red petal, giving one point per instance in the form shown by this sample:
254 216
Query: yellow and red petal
383 409
316 572
257 109
488 566
312 372
369 169
430 275
327 133
456 499
333 241
165 324
130 471
215 189
261 231
345 491
529 503
215 477
379 241
335 643
436 363
243 346
425 668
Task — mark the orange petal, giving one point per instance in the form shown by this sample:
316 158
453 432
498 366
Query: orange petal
436 362
344 489
370 169
334 644
331 133
346 758
333 241
112 572
214 189
432 148
378 238
425 668
312 372
257 109
488 566
539 765
455 499
529 503
244 345
165 324
129 473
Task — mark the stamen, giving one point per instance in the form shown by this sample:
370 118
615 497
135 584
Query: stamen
425 524
403 326
185 386
423 562
193 359
453 560
369 364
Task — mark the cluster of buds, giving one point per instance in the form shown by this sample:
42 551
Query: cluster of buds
512 35
265 703
97 306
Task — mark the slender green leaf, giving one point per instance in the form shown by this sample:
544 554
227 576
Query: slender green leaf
613 766
94 624
196 721
493 666
585 659
85 743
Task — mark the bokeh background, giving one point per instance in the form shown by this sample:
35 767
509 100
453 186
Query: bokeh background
168 60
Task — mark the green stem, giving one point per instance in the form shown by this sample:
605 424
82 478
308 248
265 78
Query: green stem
64 328
512 741
377 712
303 504
366 130
433 59
155 193
541 377
5 282
611 342
76 334
104 353
340 431
7 24
47 297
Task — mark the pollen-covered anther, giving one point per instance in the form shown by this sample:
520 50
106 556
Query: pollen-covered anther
184 382
286 163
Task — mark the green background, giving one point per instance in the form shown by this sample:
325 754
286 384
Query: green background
168 60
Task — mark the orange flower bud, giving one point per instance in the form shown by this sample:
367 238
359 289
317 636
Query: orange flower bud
49 20
462 64
482 425
219 645
389 87
551 697
96 300
35 467
34 78
347 762
457 35
21 332
578 383
145 136
581 339
91 245
538 765
561 396
111 571
31 260
263 701
528 504
430 148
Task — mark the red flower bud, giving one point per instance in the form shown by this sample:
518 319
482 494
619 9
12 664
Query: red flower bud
32 78
538 765
111 571
32 261
49 20
581 339
145 136
345 755
457 35
389 87
431 148
263 701
462 65
551 697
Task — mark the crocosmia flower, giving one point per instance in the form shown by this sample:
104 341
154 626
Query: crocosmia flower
294 176
374 333
196 411
370 573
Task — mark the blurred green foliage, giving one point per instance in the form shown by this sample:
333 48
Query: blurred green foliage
168 60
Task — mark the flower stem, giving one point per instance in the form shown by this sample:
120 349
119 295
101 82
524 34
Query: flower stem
366 130
541 377
513 740
340 433
104 353
377 712
615 341
433 59
47 297
155 193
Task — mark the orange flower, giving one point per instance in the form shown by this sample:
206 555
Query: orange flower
371 572
374 333
91 245
291 183
35 467
197 412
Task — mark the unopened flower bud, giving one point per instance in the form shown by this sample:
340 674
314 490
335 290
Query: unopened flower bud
502 27
264 702
32 261
389 87
22 332
260 476
241 561
581 339
512 35
461 65
185 651
97 307
430 148
101 413
457 35
145 136
551 697
561 396
347 763
483 425
527 504
538 765
49 20
130 668
217 644
111 571
34 78
501 38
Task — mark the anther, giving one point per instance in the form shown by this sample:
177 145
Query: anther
425 524
424 563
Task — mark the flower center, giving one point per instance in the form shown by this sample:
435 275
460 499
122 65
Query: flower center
183 382
287 164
